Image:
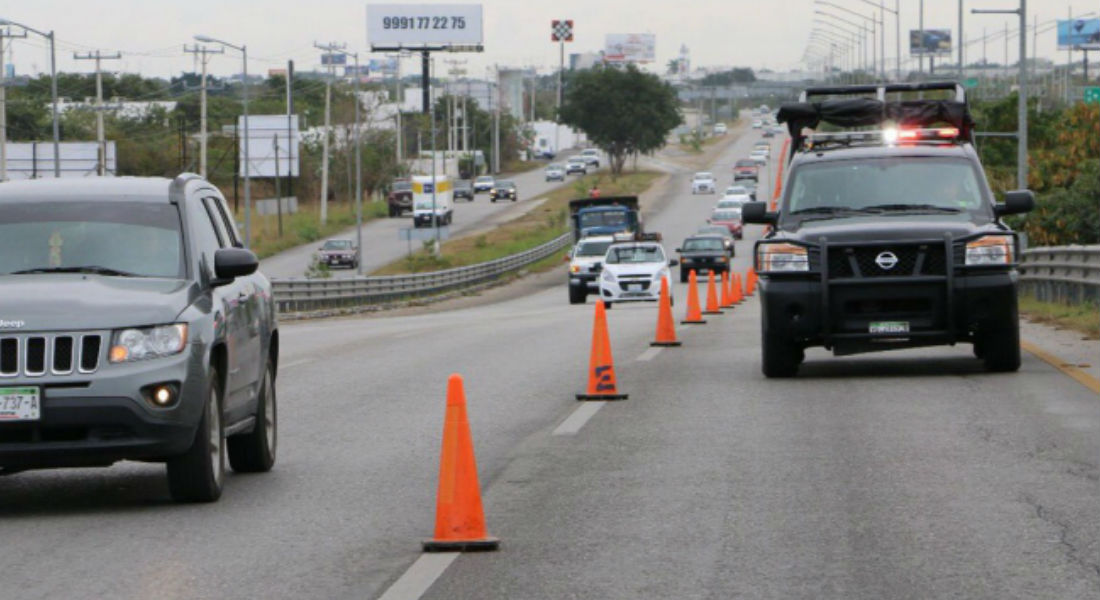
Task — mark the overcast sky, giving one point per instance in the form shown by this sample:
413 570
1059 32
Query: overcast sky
755 33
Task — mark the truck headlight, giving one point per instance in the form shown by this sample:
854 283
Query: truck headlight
133 344
781 258
574 268
991 250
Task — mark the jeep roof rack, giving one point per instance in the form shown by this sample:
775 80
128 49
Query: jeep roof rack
859 109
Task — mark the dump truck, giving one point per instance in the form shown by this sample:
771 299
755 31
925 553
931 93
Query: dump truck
608 216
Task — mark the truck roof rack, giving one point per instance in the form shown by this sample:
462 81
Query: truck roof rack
860 109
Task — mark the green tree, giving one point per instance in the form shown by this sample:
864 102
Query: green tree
623 111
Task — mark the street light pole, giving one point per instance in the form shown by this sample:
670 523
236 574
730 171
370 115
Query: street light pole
1021 104
358 172
243 49
53 91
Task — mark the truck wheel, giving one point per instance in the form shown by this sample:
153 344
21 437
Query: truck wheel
683 275
1000 349
254 452
781 357
394 213
607 305
493 199
577 294
197 474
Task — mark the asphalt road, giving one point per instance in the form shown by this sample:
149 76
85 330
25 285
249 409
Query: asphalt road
905 475
382 242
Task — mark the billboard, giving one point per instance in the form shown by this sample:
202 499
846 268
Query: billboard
936 41
630 47
387 66
34 160
265 133
335 58
1077 34
419 25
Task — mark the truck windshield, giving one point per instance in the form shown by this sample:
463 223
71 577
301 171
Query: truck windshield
593 248
902 184
603 218
131 238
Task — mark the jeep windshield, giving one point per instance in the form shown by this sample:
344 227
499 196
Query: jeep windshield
634 255
107 238
878 186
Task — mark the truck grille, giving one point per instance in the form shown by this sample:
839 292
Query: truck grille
35 355
861 261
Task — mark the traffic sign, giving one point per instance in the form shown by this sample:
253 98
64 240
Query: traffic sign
561 31
972 82
1092 95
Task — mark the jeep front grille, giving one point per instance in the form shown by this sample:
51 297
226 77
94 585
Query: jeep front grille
35 355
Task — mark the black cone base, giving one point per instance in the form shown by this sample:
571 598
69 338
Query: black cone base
484 545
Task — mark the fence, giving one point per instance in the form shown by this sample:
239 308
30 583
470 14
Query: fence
299 295
1065 274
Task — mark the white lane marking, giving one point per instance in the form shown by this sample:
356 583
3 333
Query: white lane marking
575 421
649 354
420 576
296 363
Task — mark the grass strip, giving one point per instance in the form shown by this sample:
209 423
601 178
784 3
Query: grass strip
1082 318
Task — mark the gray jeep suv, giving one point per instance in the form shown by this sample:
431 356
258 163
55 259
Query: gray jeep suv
133 326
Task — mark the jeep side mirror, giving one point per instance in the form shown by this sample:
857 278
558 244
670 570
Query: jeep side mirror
678 250
757 212
1016 202
230 263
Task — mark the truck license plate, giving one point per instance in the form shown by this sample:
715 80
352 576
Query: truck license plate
890 327
19 404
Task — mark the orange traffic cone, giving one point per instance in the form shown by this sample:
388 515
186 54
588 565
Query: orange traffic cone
666 333
694 315
712 296
751 282
738 296
601 367
727 300
459 520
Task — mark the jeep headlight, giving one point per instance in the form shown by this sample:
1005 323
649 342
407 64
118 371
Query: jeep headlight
134 344
781 258
608 276
991 250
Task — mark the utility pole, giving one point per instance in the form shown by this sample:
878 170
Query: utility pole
496 120
4 34
331 49
397 100
962 44
101 164
1021 96
922 48
202 51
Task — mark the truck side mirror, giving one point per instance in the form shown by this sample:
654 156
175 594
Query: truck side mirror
673 262
757 212
1016 202
597 267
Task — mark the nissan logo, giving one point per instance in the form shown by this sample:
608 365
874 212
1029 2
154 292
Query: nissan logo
886 260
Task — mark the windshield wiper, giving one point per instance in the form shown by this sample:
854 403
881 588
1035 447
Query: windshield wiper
81 269
828 210
913 207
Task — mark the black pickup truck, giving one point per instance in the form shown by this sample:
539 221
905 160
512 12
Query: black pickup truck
887 239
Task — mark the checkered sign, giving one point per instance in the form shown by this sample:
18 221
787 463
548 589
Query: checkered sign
561 31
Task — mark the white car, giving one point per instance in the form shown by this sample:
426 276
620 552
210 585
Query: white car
576 165
583 272
632 272
760 156
732 202
703 183
720 129
740 190
554 172
757 124
591 156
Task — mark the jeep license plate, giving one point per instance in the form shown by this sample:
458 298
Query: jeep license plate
19 404
890 327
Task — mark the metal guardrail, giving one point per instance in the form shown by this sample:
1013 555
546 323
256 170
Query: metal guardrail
1065 274
300 295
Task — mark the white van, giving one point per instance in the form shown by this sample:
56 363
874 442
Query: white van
422 186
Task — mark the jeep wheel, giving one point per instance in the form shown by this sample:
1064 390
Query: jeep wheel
577 294
197 474
781 357
254 452
1000 349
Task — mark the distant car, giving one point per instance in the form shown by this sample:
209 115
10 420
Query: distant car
544 153
731 202
746 168
759 157
505 189
338 252
591 156
720 129
729 218
583 272
483 183
703 183
721 231
464 189
740 190
757 124
768 133
576 165
400 197
554 172
632 272
703 253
